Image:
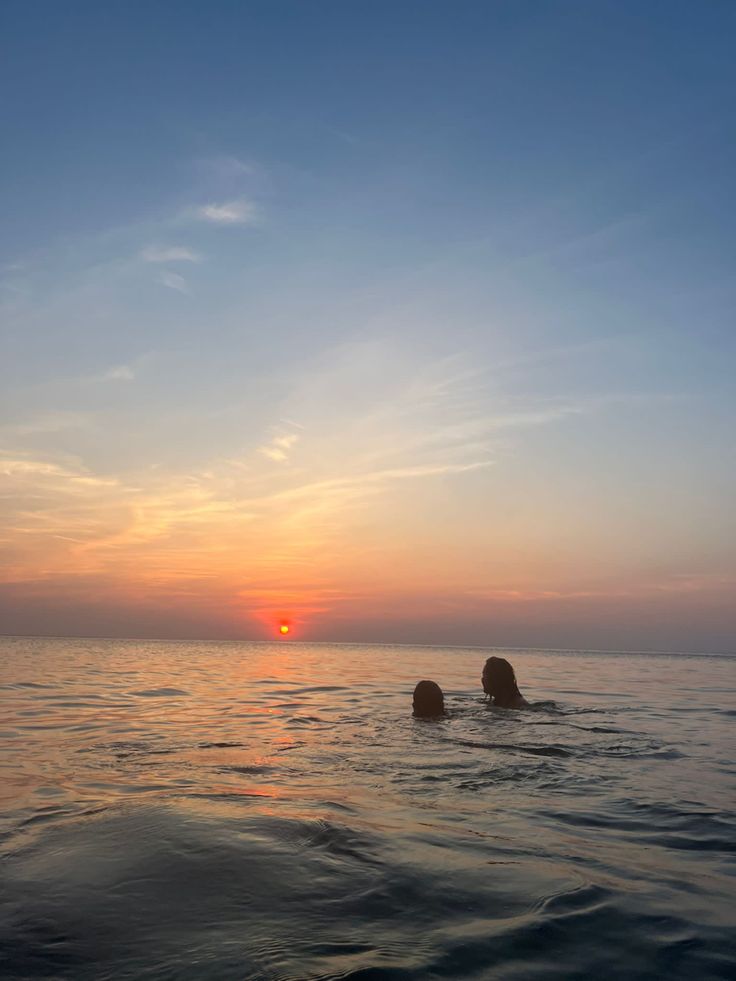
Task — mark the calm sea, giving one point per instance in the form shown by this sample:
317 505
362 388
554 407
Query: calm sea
234 811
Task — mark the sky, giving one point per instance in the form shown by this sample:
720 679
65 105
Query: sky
392 321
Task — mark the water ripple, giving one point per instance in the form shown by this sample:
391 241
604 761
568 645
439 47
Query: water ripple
192 811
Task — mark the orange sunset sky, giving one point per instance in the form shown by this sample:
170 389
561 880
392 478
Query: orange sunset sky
444 358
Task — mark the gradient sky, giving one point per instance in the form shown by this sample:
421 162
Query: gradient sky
406 321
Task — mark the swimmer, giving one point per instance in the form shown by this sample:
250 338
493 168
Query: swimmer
428 700
499 681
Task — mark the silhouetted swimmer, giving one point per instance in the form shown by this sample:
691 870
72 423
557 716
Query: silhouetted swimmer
499 681
428 700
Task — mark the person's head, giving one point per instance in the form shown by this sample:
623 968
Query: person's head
428 699
499 681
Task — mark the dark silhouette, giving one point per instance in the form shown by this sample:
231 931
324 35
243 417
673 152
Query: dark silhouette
499 681
428 700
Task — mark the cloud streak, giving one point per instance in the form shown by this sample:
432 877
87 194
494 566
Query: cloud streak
121 372
231 518
173 281
171 253
279 447
47 423
240 211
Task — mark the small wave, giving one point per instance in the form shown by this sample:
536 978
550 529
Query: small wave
247 770
289 748
634 751
159 692
587 896
122 749
693 843
599 729
219 745
31 684
516 748
548 706
665 825
306 720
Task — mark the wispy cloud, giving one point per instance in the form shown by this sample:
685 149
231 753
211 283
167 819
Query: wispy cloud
121 372
173 281
24 466
55 421
279 446
237 212
345 503
290 521
226 167
170 253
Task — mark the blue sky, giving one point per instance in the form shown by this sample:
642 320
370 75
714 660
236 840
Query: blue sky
419 286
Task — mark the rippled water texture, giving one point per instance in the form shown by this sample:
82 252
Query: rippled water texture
236 811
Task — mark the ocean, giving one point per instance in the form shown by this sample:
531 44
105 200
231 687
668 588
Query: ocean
175 810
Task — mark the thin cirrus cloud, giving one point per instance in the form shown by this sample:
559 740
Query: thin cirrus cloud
170 253
203 521
52 422
262 539
279 447
173 281
226 168
120 372
240 211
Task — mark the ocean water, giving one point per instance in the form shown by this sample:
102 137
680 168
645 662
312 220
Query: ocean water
272 811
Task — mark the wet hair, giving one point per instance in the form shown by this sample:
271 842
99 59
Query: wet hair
428 699
499 681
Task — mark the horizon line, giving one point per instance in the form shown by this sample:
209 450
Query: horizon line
357 643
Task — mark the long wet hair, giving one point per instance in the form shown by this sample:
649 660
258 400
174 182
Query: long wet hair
428 699
499 681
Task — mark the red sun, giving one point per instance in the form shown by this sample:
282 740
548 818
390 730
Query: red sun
284 629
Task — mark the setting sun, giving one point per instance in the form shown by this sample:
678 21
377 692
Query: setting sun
284 628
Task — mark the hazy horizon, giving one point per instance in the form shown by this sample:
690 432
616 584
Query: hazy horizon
271 641
395 323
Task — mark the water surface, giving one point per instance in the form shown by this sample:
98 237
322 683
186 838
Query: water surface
272 811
